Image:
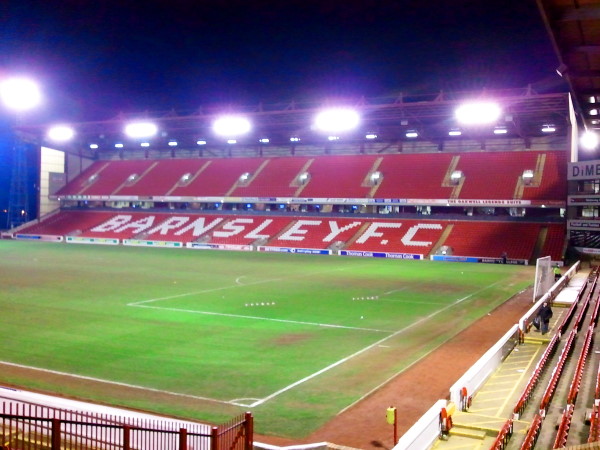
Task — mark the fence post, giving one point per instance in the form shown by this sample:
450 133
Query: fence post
55 443
126 437
249 432
214 438
182 439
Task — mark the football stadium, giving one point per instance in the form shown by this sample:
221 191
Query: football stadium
412 272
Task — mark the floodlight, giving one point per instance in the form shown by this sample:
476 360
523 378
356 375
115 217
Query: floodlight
93 146
118 145
594 112
333 138
145 144
294 139
376 178
20 94
141 129
500 130
456 176
172 143
589 140
477 113
201 142
61 133
264 140
304 177
548 129
371 136
412 134
454 133
528 176
231 126
231 141
337 120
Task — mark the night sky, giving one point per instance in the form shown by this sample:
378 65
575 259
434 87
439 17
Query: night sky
97 58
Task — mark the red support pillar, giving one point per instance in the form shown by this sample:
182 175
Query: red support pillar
183 439
126 437
55 443
395 426
249 426
214 439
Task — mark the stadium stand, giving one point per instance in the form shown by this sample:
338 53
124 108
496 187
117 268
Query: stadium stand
415 176
105 178
407 176
277 178
492 239
485 239
218 177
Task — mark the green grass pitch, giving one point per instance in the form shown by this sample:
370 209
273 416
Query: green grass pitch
173 331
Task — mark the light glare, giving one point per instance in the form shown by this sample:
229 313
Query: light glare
548 129
141 130
231 126
477 113
61 133
589 140
20 94
337 120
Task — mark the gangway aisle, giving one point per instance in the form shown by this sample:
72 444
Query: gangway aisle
494 403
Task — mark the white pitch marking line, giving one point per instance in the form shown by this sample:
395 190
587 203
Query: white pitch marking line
241 316
237 280
205 291
117 383
460 300
233 286
379 342
395 290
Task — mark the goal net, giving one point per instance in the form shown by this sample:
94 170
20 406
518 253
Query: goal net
544 277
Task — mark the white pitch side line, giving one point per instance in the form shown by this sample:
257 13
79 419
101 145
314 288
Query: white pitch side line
117 383
379 342
241 316
422 356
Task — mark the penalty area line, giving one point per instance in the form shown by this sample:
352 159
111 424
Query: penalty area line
118 383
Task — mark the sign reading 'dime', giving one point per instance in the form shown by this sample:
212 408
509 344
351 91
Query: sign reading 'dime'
584 170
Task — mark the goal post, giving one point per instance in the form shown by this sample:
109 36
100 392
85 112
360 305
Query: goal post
544 277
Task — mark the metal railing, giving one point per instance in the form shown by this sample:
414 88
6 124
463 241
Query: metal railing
31 427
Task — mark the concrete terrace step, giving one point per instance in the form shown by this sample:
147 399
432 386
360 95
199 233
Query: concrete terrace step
467 432
541 339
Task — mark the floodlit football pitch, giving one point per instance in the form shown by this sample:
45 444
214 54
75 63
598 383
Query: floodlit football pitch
207 334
